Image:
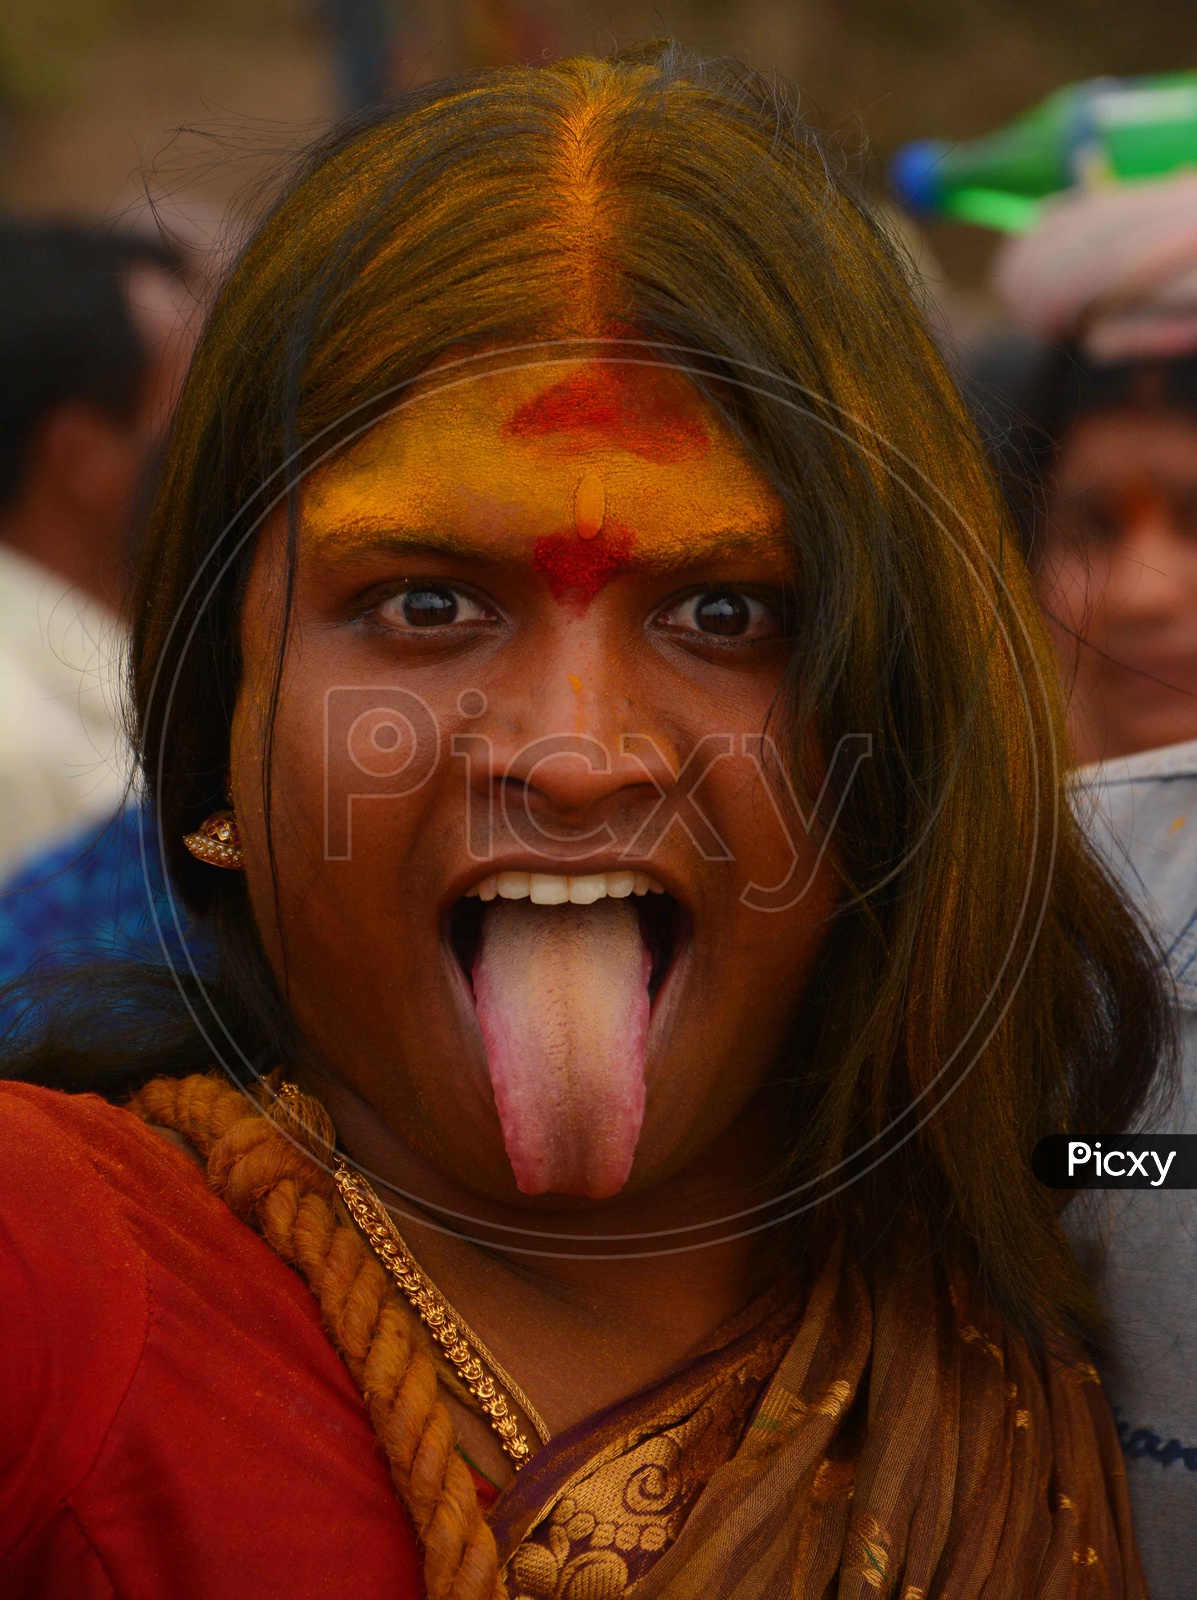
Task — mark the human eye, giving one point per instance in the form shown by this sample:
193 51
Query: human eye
1088 517
724 614
1102 520
420 605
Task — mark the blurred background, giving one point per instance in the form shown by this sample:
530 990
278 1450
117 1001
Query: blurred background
97 97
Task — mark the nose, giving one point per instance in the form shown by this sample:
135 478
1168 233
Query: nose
557 740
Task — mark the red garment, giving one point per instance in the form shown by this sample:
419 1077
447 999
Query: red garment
174 1423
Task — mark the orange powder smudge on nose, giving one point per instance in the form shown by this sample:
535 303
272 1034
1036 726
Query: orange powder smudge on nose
576 569
575 684
635 409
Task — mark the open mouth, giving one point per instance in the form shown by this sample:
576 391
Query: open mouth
564 972
664 925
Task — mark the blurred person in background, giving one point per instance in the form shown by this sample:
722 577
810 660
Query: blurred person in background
1093 409
94 338
1104 452
1141 1246
96 326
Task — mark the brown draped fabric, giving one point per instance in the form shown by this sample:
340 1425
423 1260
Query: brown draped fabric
889 1438
894 1443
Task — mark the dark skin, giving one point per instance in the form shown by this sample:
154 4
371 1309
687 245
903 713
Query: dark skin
438 513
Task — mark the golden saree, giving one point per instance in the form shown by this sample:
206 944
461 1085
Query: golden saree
892 1442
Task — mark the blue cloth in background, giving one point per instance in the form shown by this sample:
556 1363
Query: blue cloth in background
88 898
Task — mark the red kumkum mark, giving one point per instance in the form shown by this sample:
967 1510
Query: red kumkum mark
576 569
637 409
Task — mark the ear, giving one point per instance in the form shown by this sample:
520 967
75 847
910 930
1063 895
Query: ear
90 459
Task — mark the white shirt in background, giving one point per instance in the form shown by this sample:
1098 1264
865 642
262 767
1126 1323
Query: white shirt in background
64 757
1141 812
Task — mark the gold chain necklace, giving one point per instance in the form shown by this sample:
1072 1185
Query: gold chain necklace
473 1363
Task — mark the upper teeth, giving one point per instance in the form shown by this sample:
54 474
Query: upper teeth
553 889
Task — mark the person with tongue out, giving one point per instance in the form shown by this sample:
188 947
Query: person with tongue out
578 615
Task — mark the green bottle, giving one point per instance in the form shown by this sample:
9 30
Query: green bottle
1103 131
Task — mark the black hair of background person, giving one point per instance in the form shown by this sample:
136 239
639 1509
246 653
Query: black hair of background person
1026 395
67 333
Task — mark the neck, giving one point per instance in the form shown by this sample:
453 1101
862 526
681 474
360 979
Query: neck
579 1320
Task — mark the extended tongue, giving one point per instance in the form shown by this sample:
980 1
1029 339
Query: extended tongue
562 998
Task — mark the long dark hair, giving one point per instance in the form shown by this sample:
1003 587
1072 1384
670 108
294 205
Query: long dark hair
983 983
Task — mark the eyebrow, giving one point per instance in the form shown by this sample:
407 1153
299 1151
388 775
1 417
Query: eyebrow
349 539
365 535
745 539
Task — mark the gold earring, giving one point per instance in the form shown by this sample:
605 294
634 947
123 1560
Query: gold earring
217 841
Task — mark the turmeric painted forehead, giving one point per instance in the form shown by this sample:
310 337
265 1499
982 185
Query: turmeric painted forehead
597 464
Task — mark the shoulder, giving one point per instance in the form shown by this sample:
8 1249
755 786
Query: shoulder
166 1378
73 1283
79 1183
74 1174
53 1140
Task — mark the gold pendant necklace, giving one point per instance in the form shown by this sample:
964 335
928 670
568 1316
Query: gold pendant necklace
474 1364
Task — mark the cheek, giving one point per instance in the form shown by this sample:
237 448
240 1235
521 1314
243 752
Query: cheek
292 845
781 880
1186 569
359 809
279 738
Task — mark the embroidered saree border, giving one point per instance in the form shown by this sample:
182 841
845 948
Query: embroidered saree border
895 1443
609 1495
